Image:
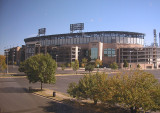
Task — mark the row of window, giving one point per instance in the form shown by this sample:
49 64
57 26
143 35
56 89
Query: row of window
84 40
95 35
110 52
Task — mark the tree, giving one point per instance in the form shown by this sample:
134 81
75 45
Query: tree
68 65
84 62
98 63
114 65
125 64
63 67
2 63
89 67
90 86
82 65
137 90
75 65
138 66
21 67
40 68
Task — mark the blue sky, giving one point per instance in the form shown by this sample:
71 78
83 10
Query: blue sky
20 19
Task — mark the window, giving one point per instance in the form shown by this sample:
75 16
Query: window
110 52
113 39
121 40
132 41
109 39
125 40
117 39
94 53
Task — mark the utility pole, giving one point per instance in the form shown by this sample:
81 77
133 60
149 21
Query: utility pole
6 53
130 59
56 59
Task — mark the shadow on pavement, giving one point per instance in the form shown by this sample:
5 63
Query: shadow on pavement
13 90
64 108
68 106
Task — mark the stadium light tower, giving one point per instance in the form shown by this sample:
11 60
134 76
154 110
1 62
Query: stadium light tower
155 38
159 39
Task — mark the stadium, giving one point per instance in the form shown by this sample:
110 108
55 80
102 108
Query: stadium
108 46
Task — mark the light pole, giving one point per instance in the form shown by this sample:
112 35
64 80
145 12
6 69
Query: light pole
56 59
6 52
130 59
13 60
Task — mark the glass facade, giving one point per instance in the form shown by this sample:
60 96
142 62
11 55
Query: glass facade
109 52
94 53
78 38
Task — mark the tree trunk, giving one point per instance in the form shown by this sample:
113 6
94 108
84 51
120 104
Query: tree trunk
41 85
95 102
133 110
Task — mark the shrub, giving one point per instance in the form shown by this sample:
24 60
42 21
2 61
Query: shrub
114 65
134 90
89 67
63 67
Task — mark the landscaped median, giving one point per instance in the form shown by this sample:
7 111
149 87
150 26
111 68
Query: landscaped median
48 93
85 105
12 75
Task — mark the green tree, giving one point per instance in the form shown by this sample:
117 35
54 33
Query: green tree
68 65
98 63
84 62
138 66
134 90
137 90
63 67
89 67
22 67
40 68
2 63
90 86
75 65
82 65
114 65
125 64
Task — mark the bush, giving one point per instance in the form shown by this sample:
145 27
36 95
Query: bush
138 66
98 63
114 65
137 90
68 64
82 65
125 64
84 62
63 67
2 63
89 86
75 65
89 67
134 90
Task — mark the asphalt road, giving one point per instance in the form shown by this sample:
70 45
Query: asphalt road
14 98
